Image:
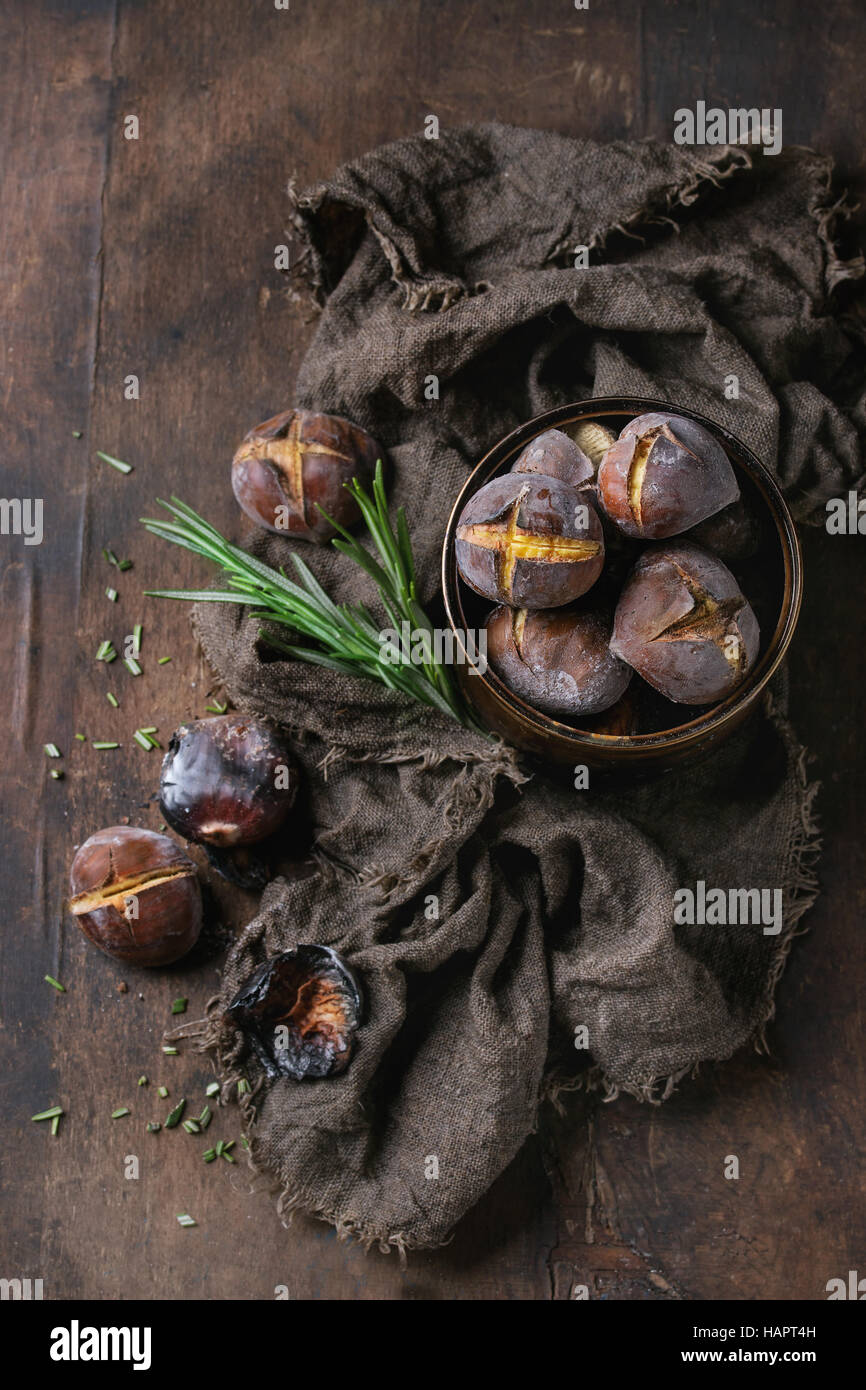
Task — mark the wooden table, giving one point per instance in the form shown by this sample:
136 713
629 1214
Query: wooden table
154 257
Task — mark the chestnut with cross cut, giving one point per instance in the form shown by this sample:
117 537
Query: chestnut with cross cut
135 895
557 660
529 541
288 467
663 475
684 625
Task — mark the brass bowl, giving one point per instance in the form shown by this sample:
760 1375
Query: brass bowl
560 741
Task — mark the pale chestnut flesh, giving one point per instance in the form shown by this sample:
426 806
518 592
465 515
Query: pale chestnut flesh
529 541
558 661
684 625
664 475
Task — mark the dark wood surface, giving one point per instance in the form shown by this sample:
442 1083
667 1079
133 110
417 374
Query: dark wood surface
155 257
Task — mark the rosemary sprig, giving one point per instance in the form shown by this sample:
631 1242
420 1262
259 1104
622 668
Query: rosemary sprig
345 636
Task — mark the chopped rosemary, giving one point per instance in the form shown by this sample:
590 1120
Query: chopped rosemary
163 660
184 1219
52 750
153 1126
163 1092
142 740
112 700
125 565
49 1114
243 1087
192 1127
132 665
179 1006
82 738
110 555
212 1089
205 1117
115 463
345 637
58 776
55 1124
106 651
111 595
76 434
173 1117
216 707
136 634
170 1051
120 1112
103 744
209 1155
245 1143
228 1157
142 1081
55 984
221 1143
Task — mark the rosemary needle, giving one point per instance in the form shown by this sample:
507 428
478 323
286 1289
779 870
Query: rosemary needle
115 463
49 979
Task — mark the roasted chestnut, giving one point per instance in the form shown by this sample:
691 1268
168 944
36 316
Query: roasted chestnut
227 781
288 467
663 475
529 541
684 626
557 660
300 1012
555 456
135 895
733 534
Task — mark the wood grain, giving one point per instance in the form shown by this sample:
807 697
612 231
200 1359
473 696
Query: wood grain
155 257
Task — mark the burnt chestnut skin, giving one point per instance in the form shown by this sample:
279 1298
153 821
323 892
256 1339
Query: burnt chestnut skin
135 895
557 660
299 459
684 625
315 1001
227 781
555 456
529 541
664 475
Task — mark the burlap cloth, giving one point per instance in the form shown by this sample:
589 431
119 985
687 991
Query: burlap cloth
490 918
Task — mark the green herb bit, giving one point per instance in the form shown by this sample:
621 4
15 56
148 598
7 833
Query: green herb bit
115 463
110 555
243 1087
229 1144
228 1158
111 595
119 1114
163 1092
136 634
82 738
217 708
55 984
124 565
55 1124
153 1127
52 750
49 1114
103 744
213 1089
58 776
221 1143
170 1051
179 1006
173 1118
245 1143
76 434
209 1155
163 661
132 665
143 741
184 1219
112 700
106 651
142 1081
205 1117
191 1127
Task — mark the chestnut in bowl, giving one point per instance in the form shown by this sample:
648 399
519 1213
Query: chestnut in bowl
663 475
136 896
558 659
529 541
684 625
291 465
555 456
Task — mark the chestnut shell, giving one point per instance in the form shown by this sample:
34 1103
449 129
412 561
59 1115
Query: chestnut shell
299 461
684 625
218 784
124 861
311 993
663 475
557 660
530 541
554 455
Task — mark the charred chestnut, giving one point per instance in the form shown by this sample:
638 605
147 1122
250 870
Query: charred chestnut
663 475
227 781
135 895
554 455
556 660
288 467
300 1012
529 541
684 626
